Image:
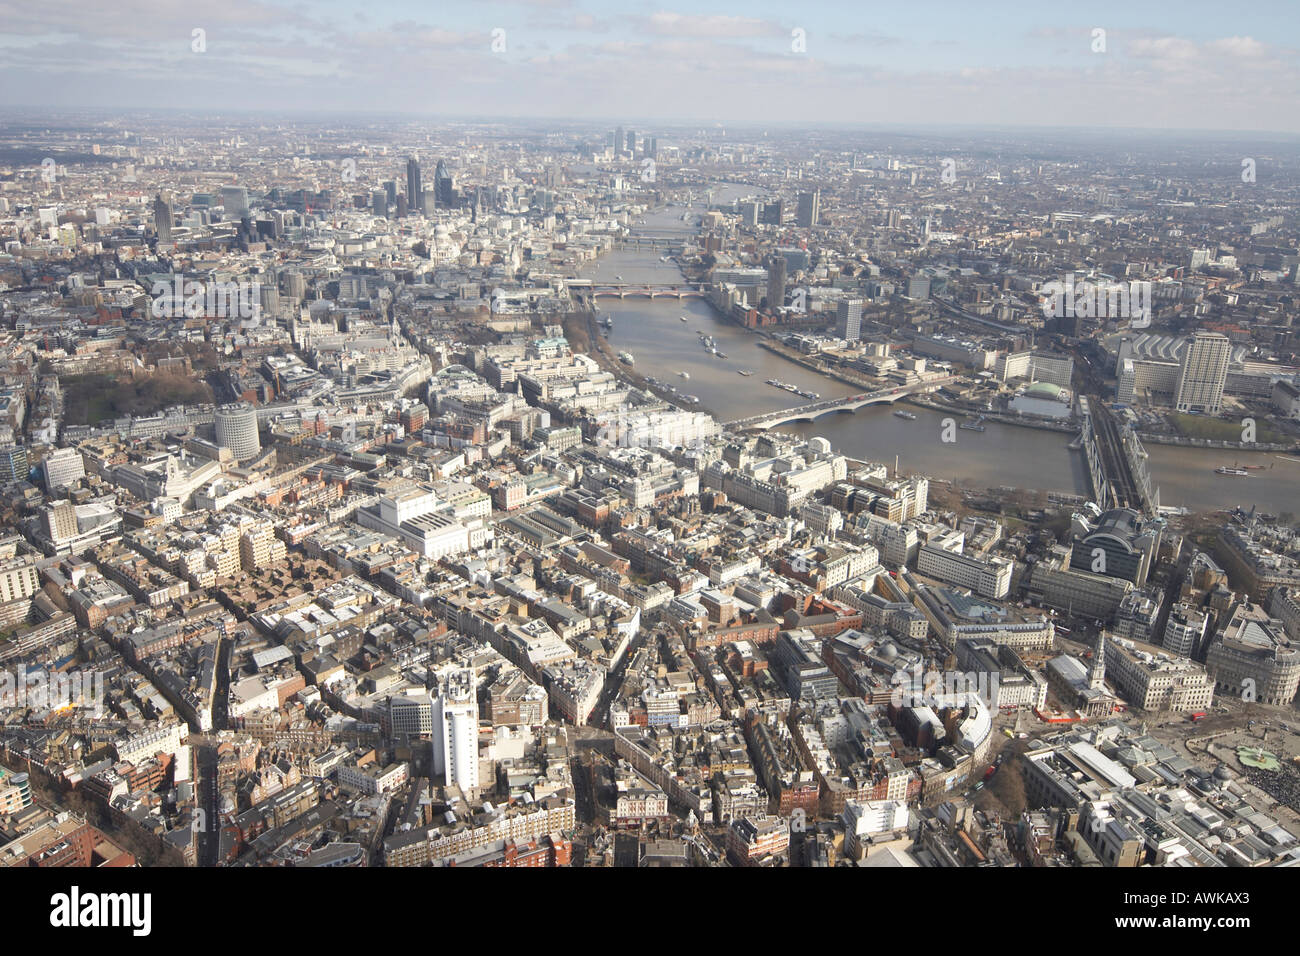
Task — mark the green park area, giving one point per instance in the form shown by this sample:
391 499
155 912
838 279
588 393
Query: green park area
92 398
1222 429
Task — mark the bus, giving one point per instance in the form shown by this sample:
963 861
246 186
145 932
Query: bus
1199 715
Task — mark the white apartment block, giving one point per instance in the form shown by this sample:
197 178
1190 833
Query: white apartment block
1203 374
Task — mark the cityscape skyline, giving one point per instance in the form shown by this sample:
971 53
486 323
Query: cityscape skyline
895 465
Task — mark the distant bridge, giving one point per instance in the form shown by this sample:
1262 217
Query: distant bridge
654 242
847 404
623 290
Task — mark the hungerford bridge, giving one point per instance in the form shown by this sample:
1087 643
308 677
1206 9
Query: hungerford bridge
848 404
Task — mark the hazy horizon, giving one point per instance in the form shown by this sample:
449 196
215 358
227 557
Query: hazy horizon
1191 67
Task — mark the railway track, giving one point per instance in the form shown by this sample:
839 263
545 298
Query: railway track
1113 461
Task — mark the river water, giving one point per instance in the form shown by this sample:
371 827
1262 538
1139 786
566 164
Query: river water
1003 455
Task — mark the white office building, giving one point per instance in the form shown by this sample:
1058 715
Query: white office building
236 429
63 467
867 818
987 577
1203 374
455 731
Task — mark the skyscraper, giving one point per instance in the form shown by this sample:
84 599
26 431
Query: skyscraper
848 317
455 731
163 217
772 213
443 184
1203 374
775 282
234 199
809 209
413 187
379 202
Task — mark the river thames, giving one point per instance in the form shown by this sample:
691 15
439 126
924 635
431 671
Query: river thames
663 346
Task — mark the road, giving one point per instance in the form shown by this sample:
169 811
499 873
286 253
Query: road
205 761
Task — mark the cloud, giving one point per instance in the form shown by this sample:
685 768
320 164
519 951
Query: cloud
1244 47
1166 49
665 23
657 64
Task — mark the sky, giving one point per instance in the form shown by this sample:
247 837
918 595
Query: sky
1146 65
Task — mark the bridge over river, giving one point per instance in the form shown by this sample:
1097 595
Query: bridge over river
847 404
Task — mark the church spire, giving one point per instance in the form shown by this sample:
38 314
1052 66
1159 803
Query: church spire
1097 674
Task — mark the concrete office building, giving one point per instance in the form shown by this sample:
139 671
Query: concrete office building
848 319
411 714
163 217
1184 632
1254 659
234 199
14 463
987 577
455 731
775 282
1147 677
236 427
1052 582
809 211
63 467
1203 374
61 521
